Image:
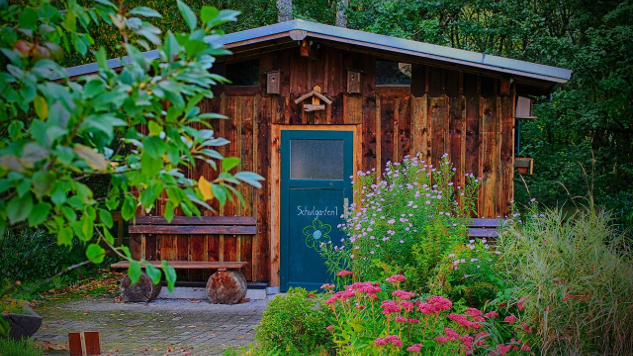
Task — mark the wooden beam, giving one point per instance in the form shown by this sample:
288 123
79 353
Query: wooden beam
193 229
187 264
194 220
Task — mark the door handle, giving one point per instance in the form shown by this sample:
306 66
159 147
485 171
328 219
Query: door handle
345 207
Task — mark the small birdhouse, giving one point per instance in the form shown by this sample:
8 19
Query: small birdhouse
524 108
309 50
273 81
354 81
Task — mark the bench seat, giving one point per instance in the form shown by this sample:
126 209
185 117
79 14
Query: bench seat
219 265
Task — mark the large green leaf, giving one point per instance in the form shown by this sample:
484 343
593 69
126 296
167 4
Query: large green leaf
152 272
106 218
229 163
95 253
129 208
250 178
19 208
188 15
170 276
154 146
144 11
39 214
134 271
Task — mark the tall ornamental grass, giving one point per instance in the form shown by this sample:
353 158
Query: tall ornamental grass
404 223
574 282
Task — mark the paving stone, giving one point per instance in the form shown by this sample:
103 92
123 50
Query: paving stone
199 328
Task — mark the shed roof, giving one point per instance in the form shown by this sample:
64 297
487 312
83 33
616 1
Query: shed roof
292 31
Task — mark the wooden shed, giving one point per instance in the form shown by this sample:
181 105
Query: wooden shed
312 104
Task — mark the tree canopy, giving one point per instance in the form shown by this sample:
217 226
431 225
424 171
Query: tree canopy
138 127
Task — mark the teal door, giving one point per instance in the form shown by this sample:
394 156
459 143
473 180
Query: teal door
316 170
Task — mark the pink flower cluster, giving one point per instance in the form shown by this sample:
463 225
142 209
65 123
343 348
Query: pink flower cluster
342 296
467 341
415 348
434 304
365 287
510 319
476 314
403 294
390 306
343 273
463 321
396 278
389 339
491 314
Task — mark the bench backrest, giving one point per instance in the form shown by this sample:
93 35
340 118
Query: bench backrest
181 225
484 227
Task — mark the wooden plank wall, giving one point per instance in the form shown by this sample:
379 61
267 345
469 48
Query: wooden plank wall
443 111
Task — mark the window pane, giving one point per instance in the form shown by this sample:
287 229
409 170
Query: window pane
244 73
316 159
393 73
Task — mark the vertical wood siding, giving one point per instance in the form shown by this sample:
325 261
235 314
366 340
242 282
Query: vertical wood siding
444 111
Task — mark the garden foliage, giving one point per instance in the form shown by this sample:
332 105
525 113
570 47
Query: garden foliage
293 324
383 319
470 273
10 347
62 132
572 278
404 223
32 255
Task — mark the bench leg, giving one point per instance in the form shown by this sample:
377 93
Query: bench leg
226 287
141 291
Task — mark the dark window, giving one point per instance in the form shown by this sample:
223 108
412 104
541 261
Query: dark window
316 159
243 73
392 73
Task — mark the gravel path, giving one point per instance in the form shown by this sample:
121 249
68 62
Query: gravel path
162 327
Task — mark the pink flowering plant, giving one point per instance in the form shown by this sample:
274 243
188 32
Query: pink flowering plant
383 319
406 222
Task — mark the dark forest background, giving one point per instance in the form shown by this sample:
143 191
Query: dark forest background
583 139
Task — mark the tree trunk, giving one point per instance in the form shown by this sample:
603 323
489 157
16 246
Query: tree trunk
285 10
141 291
226 287
341 17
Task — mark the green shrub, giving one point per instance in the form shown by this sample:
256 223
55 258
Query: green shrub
573 281
470 273
293 324
32 255
10 347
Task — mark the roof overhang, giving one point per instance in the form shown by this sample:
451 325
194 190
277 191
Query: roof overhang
287 34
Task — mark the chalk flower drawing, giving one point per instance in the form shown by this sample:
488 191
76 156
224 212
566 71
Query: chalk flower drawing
317 231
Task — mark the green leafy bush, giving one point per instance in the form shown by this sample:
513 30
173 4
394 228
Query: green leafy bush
10 347
30 255
573 281
293 324
405 223
470 273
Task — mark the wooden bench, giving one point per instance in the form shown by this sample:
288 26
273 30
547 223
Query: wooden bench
480 228
226 286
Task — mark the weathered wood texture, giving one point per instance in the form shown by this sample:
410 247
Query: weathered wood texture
444 111
188 265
